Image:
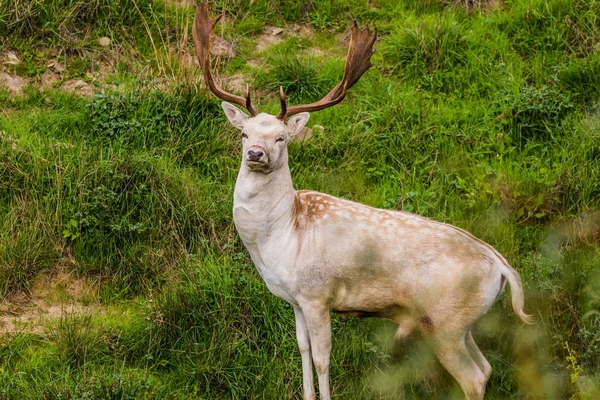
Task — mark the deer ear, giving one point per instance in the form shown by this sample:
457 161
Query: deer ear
236 116
297 123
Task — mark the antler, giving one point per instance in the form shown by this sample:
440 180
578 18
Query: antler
358 62
201 32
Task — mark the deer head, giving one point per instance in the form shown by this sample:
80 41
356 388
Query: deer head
265 136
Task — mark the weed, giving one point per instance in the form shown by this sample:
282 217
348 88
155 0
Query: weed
303 80
538 112
428 47
74 339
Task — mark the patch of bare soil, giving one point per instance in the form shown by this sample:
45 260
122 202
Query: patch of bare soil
10 58
48 78
222 48
273 35
236 83
55 65
180 3
55 74
78 86
306 31
96 78
13 83
53 296
100 73
270 36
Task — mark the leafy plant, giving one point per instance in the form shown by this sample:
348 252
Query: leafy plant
71 230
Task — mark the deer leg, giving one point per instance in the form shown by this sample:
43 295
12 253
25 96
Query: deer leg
483 364
318 321
455 356
406 324
304 346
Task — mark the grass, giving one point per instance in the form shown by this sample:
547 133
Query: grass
487 119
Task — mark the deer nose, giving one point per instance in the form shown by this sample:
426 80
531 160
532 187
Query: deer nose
255 155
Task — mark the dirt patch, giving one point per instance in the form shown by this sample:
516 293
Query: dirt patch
53 296
48 78
35 318
271 35
105 68
222 48
236 83
78 86
55 65
13 83
10 58
180 3
100 73
306 31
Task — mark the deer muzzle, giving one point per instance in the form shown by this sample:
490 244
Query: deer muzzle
255 155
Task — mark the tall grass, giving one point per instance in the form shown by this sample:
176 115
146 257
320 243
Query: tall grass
486 119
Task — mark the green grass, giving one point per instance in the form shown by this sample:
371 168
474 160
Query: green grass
487 119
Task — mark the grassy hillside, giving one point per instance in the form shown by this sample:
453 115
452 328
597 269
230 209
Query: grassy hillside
121 274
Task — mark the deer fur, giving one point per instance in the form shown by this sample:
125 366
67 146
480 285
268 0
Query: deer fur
323 254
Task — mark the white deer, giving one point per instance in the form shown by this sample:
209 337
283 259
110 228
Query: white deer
321 253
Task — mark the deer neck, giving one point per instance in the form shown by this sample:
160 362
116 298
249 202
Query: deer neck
263 203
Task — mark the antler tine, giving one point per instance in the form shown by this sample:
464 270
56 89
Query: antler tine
202 32
283 111
248 104
358 61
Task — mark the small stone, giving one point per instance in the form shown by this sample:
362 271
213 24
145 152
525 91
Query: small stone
12 58
55 65
104 41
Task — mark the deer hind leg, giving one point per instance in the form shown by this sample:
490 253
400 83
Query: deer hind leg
318 322
455 355
406 324
483 364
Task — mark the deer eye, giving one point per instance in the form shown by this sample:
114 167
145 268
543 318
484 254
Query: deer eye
244 135
279 139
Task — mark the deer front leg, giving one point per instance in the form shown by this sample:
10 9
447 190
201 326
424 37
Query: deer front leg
318 322
304 345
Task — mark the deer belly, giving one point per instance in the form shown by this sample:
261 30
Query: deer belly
368 299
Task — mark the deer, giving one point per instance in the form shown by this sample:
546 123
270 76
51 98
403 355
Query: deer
325 254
